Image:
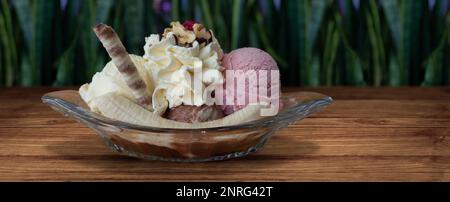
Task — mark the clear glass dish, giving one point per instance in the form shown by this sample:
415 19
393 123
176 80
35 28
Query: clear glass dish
187 145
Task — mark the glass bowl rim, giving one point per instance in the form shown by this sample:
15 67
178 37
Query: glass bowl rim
81 113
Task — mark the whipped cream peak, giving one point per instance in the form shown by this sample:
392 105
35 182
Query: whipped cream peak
185 72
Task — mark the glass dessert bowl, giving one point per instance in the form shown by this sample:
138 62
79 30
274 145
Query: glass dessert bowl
187 145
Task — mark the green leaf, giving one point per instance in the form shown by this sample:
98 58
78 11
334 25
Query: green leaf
27 72
1 64
395 72
379 40
104 8
118 15
175 10
391 10
65 68
5 42
268 9
354 67
89 42
314 73
376 46
134 26
40 52
263 36
303 54
221 32
434 64
150 19
23 10
253 37
293 43
311 23
331 46
442 8
207 16
315 22
348 21
7 38
403 20
187 10
409 15
236 25
433 70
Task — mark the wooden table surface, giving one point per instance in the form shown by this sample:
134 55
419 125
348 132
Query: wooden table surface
374 134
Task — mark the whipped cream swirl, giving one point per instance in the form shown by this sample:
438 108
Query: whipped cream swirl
182 75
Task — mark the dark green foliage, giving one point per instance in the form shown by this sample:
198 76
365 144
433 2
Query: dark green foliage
315 42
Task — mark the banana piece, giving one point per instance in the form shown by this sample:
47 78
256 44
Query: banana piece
110 80
115 106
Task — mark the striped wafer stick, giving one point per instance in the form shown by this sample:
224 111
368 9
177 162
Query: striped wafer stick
119 55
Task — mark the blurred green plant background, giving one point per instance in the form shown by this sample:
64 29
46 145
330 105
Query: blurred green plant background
315 42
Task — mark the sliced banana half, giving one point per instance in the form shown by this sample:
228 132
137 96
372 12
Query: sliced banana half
118 107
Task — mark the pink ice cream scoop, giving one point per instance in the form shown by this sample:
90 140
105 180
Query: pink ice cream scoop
246 59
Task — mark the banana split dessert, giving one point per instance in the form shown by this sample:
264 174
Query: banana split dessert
184 80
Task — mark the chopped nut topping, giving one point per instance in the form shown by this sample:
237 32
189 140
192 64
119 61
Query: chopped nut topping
186 35
201 33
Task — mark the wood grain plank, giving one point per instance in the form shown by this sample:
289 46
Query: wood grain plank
304 142
372 122
379 93
376 134
386 109
330 168
29 92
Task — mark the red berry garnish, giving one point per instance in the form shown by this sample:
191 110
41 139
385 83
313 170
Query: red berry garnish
189 25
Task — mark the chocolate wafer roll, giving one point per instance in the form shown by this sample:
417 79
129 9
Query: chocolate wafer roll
119 55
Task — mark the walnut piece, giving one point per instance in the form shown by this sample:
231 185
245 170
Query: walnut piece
201 32
184 37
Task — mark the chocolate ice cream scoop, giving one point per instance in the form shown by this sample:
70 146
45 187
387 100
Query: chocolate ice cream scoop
194 114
